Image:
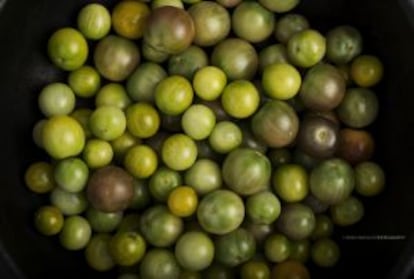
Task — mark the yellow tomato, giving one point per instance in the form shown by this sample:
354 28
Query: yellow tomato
129 17
183 201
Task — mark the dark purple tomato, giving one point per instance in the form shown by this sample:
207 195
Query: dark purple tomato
318 137
355 146
169 30
110 189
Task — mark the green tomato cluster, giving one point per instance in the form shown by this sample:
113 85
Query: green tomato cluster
258 138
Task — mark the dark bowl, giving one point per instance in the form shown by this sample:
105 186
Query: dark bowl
378 247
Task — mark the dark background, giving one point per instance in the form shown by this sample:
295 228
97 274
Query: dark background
24 70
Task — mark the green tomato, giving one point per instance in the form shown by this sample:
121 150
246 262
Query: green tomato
279 6
288 25
198 121
48 220
240 99
94 21
39 177
143 120
204 176
255 269
263 208
235 247
220 212
359 108
162 182
367 70
332 181
63 137
141 161
56 99
369 179
344 43
209 82
68 203
325 252
290 182
107 122
103 222
225 137
246 171
127 248
348 212
297 221
142 82
281 81
252 22
71 174
173 95
97 153
160 227
76 233
68 49
323 227
277 248
306 48
84 81
179 152
186 63
236 57
194 251
112 94
159 264
97 253
299 250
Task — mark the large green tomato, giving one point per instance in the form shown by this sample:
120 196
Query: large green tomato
220 212
246 171
68 49
194 250
63 137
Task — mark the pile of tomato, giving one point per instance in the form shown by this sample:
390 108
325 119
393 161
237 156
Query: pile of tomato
205 139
